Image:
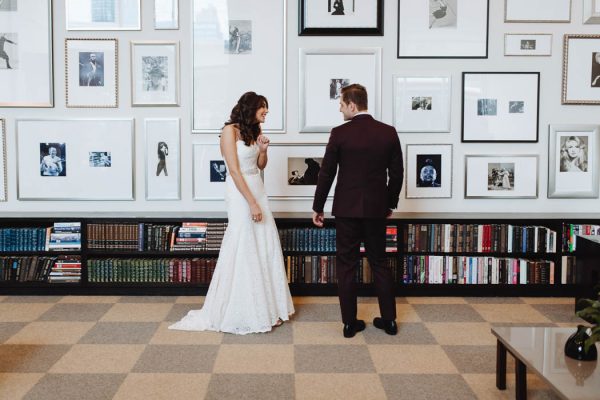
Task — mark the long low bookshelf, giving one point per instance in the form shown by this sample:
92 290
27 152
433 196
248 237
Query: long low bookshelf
175 253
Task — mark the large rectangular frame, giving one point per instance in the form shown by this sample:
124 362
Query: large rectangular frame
316 21
319 110
527 181
163 165
171 96
203 187
441 186
3 183
30 82
122 11
81 137
221 76
581 69
573 184
555 11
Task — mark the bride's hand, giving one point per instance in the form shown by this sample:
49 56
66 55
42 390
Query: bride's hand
256 212
263 143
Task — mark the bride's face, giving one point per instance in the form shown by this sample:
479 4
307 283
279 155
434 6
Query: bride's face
261 114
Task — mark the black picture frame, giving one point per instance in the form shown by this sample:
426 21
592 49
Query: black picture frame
337 31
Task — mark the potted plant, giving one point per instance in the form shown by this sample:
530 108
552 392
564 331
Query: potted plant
581 345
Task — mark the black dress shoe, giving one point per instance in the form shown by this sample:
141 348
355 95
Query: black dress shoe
389 327
351 329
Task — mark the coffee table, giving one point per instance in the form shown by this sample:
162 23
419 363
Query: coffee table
541 349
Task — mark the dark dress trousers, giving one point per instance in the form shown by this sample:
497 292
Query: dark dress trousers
367 157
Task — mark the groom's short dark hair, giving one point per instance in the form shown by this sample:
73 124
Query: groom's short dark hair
356 94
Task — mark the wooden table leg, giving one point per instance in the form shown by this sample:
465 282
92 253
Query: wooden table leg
521 380
500 366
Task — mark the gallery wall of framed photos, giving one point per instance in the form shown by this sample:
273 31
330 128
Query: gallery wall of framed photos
507 86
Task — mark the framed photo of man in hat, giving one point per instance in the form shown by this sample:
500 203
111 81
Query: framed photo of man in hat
154 73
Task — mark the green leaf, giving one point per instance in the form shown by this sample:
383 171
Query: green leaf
589 342
589 314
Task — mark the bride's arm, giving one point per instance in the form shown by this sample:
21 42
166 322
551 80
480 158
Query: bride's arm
263 145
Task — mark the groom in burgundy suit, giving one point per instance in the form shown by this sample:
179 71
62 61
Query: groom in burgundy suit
368 155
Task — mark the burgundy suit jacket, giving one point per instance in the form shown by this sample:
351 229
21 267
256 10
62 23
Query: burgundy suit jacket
367 157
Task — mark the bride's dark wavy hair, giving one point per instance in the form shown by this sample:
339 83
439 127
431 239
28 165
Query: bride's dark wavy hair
244 115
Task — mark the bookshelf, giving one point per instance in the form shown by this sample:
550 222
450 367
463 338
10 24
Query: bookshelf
140 259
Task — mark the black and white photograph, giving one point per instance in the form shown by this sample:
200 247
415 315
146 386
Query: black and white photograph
421 103
100 159
442 13
341 17
162 153
337 7
501 176
335 87
303 171
162 158
581 69
573 153
218 171
103 10
528 44
516 107
91 68
156 73
53 159
595 69
429 170
487 107
8 5
9 51
240 37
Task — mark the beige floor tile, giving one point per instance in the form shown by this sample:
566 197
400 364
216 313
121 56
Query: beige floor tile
51 333
163 386
462 333
323 333
484 386
548 300
137 312
406 313
436 300
510 313
164 335
90 299
339 386
316 300
190 300
98 358
19 312
15 386
411 359
367 312
2 298
255 359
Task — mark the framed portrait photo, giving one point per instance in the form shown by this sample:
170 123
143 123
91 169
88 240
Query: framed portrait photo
500 106
293 170
573 152
428 171
75 159
537 11
443 28
26 75
92 73
340 17
210 172
166 14
154 73
3 184
422 103
103 15
527 44
500 176
238 46
591 11
581 69
323 74
162 159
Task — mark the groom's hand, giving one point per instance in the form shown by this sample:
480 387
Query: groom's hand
318 219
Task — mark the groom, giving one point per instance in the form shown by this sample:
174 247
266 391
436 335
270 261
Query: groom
368 155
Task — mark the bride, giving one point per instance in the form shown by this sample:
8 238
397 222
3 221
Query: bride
249 291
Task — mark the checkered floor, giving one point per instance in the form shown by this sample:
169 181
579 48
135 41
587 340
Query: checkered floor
120 348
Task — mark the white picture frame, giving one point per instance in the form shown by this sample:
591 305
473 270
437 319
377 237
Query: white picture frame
591 11
501 176
87 85
581 69
428 171
154 73
163 158
27 30
573 164
322 74
284 158
210 172
500 106
103 15
527 44
95 160
428 30
3 183
537 11
422 103
238 47
166 14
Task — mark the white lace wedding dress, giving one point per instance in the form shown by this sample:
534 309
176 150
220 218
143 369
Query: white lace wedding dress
249 290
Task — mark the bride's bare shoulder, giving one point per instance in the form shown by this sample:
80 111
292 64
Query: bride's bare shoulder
230 131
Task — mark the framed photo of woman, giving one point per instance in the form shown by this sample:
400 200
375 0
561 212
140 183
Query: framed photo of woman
162 159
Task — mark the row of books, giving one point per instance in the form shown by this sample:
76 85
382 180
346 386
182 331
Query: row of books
23 239
66 269
175 270
570 232
571 273
26 269
64 236
476 270
485 238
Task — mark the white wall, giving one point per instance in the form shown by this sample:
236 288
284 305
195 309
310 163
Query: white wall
551 111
